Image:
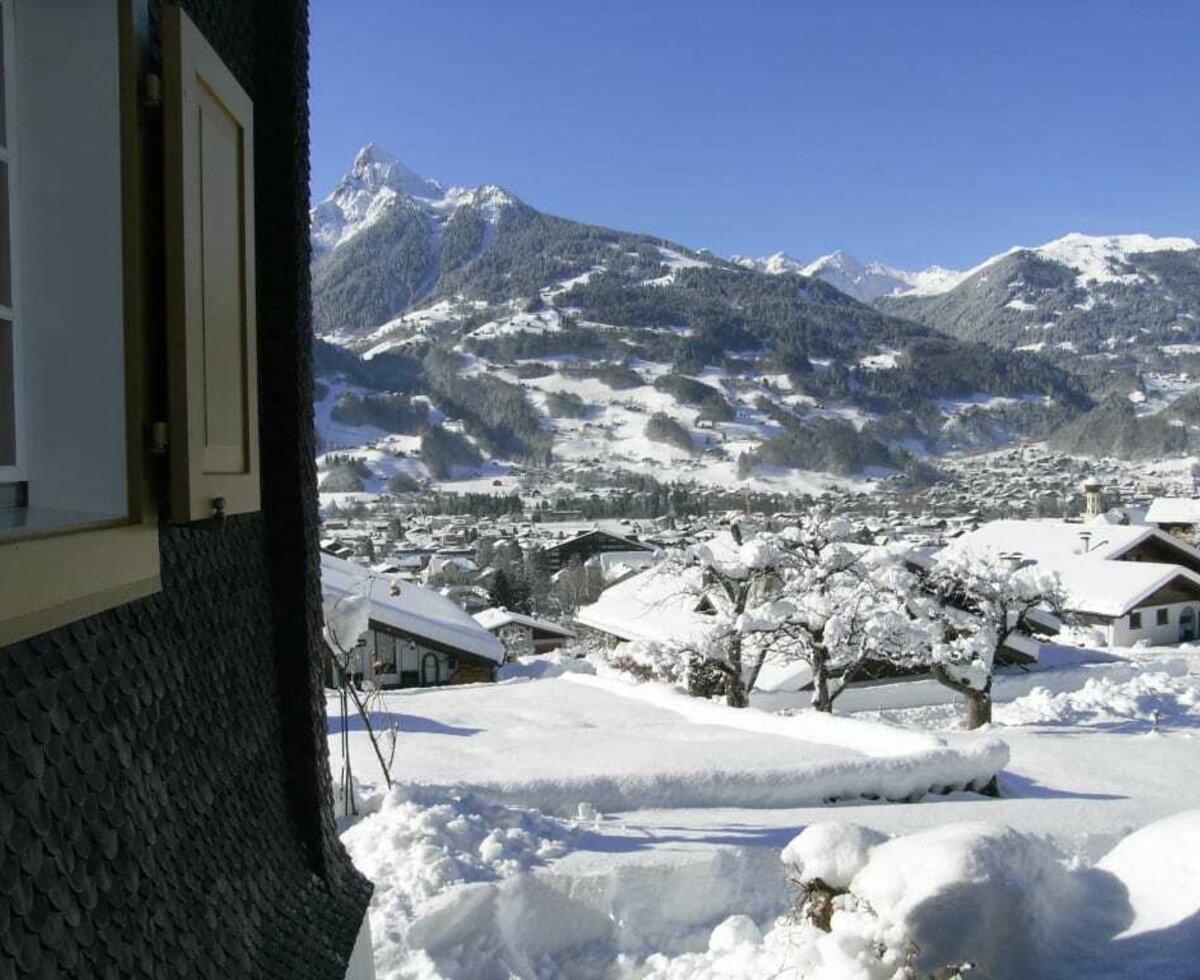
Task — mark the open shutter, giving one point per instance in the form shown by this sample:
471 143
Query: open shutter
211 344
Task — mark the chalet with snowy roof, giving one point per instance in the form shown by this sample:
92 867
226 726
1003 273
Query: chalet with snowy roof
1175 515
587 545
1132 582
523 634
415 637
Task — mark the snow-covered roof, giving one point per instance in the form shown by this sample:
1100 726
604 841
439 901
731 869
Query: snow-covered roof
1112 588
494 618
615 564
416 610
1052 540
658 605
1174 510
1094 580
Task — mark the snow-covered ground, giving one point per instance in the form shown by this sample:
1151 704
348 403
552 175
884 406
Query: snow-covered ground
561 824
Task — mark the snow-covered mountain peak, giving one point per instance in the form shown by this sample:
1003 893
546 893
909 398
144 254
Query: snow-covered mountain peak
774 265
1099 258
375 169
373 186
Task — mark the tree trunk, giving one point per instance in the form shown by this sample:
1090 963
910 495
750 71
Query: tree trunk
821 699
735 684
979 708
979 703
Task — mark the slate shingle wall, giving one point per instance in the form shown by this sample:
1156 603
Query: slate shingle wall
164 793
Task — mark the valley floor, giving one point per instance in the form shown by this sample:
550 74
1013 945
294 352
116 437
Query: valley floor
561 824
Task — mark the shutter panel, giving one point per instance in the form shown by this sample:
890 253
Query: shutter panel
211 343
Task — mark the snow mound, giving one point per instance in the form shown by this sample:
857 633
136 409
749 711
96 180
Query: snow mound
1002 903
896 778
544 666
833 852
971 892
420 843
1159 866
1102 700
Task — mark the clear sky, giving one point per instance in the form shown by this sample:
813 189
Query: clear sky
912 131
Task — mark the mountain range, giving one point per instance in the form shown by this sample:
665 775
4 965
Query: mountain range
1079 293
864 281
554 341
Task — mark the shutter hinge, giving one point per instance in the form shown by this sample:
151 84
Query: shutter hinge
152 92
158 438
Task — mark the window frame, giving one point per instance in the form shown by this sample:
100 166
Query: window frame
71 572
1135 620
9 155
1162 617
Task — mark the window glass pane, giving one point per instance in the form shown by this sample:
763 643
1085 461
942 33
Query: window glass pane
5 250
8 426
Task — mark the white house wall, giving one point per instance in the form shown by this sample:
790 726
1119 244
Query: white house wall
1121 635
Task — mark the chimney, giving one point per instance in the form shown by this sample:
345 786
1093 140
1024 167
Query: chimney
1012 560
1091 497
1086 538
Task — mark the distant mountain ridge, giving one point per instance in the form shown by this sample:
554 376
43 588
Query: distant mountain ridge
1079 294
554 340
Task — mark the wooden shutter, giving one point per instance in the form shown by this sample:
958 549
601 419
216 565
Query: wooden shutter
211 345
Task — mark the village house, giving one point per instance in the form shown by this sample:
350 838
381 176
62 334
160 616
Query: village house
1131 582
523 634
415 637
1178 516
587 545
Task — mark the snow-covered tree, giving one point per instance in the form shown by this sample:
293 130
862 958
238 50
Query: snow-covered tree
347 617
804 594
973 605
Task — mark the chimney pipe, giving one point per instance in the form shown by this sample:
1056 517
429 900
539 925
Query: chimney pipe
1013 560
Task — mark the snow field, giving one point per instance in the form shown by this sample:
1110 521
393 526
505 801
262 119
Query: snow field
489 888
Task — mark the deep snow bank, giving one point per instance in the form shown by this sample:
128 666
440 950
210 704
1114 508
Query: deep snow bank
1005 902
421 844
898 778
1159 866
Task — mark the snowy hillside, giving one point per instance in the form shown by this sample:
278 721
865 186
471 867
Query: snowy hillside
1079 294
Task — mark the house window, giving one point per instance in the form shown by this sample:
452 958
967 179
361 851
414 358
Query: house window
78 522
62 388
77 534
385 654
1162 617
1135 621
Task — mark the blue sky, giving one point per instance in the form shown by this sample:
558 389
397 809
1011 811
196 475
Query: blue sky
913 132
